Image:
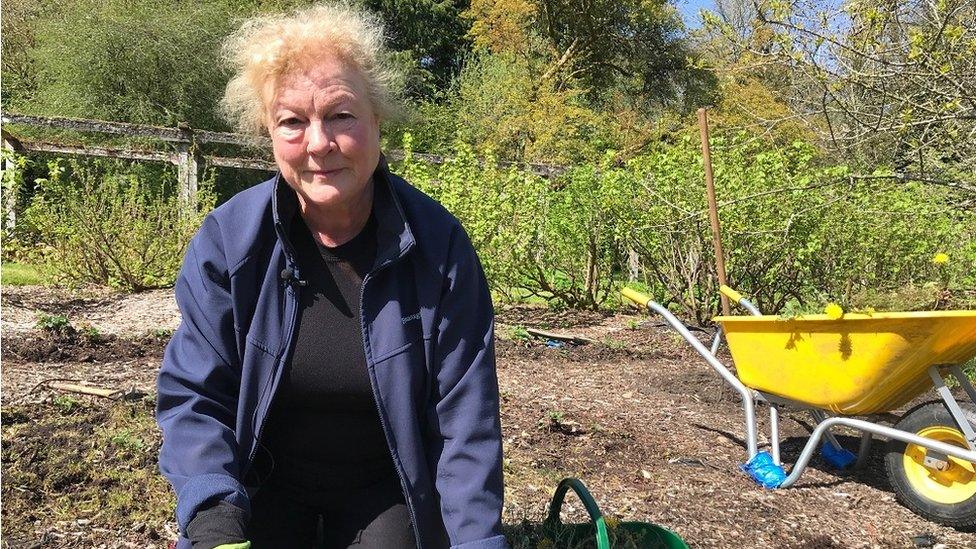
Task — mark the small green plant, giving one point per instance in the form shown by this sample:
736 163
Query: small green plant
553 421
634 323
520 333
90 334
126 439
66 404
162 333
55 324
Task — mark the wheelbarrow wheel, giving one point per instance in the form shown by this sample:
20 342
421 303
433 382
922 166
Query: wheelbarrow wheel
943 489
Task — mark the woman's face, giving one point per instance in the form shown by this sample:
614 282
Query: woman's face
325 134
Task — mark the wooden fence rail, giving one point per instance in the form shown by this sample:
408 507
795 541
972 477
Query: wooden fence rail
187 155
186 141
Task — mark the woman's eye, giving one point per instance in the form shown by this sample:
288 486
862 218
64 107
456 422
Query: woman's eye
344 116
292 121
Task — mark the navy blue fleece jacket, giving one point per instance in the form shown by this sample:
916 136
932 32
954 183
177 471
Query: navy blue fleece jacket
427 327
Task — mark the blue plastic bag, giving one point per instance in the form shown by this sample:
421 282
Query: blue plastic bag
838 457
764 470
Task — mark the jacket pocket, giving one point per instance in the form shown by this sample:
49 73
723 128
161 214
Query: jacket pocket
260 345
417 345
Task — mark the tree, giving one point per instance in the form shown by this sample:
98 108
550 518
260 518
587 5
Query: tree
893 83
131 61
601 47
18 23
430 38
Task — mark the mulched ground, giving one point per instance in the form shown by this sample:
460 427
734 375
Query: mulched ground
637 416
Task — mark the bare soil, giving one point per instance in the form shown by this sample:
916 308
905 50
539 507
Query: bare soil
649 428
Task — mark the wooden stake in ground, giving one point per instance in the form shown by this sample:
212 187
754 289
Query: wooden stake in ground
713 208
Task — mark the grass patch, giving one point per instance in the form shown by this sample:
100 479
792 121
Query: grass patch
22 274
520 296
72 459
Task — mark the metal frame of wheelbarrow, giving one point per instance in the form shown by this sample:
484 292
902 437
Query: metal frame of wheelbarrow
824 422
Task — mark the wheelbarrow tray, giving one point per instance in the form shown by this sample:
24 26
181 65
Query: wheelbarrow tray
625 535
856 365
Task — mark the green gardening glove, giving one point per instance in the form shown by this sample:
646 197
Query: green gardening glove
241 545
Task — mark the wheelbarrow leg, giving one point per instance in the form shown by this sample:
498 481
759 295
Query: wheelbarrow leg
820 417
953 406
748 401
774 432
716 341
864 451
964 381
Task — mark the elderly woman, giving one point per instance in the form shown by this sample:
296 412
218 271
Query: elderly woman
332 383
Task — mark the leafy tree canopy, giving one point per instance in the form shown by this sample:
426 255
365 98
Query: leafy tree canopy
430 38
154 63
889 83
603 46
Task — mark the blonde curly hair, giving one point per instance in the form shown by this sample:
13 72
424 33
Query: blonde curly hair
269 47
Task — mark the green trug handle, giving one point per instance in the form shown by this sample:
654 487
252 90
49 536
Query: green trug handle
602 538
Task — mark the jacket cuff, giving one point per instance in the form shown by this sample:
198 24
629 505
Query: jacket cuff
496 542
201 490
218 525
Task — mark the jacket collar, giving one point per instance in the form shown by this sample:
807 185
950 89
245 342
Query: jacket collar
393 235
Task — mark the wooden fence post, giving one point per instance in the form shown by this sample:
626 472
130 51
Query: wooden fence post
10 146
633 265
188 168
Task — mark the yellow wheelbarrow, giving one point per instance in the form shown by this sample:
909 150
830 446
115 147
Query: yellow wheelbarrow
858 365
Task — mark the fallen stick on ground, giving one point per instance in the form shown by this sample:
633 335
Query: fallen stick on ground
86 390
560 337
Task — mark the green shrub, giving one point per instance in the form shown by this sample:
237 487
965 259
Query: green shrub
793 229
96 223
796 233
142 62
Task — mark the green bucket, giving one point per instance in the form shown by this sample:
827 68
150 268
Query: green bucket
597 534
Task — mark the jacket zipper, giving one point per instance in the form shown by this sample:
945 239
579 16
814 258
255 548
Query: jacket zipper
286 350
371 370
290 263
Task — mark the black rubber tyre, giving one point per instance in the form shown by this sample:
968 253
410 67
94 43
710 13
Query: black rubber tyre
921 497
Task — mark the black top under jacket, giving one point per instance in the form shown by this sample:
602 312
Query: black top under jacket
323 433
324 430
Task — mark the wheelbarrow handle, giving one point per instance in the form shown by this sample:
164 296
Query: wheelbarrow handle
635 296
602 537
733 295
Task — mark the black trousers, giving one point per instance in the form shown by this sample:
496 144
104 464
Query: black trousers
371 517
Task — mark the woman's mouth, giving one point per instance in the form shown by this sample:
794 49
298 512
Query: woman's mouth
325 173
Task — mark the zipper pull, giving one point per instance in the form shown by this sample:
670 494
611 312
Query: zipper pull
288 275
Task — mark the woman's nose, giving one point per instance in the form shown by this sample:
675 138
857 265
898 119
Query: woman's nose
319 139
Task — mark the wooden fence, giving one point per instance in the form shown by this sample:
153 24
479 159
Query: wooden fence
187 154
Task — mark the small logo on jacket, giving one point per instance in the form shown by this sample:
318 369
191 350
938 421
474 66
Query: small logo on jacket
415 316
